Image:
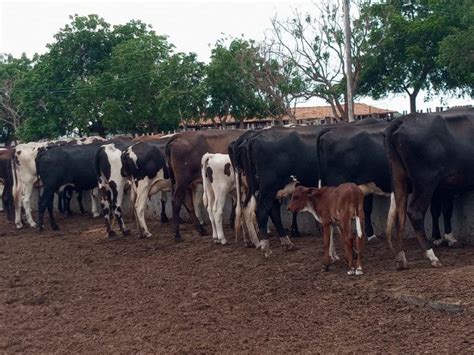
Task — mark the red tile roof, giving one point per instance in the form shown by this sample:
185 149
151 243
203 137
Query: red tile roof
313 112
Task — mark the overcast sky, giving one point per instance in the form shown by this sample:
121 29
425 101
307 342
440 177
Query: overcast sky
192 26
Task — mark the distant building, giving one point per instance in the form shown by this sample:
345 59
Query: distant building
315 115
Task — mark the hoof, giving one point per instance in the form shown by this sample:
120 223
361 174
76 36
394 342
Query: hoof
40 229
111 234
335 259
295 234
436 263
55 227
248 244
351 271
95 215
401 266
223 241
164 219
325 268
216 241
438 241
359 271
373 237
291 247
178 240
19 226
203 231
126 232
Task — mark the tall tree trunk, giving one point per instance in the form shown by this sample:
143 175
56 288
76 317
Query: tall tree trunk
413 101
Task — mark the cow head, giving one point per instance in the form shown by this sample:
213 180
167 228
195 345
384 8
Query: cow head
299 198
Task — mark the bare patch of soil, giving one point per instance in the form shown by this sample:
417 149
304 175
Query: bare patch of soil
74 290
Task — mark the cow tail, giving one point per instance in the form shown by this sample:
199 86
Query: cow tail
393 158
251 174
205 181
319 154
168 159
360 218
97 162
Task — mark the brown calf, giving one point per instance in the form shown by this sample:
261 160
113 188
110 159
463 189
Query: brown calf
335 205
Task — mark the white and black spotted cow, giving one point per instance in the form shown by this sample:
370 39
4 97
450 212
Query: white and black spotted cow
146 167
218 182
112 181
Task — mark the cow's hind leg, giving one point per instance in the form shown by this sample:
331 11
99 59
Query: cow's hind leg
45 202
105 204
189 205
163 199
218 211
295 233
117 207
26 204
416 212
448 206
52 221
326 246
435 209
275 215
368 205
140 206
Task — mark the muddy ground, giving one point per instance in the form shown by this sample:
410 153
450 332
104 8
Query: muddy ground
76 291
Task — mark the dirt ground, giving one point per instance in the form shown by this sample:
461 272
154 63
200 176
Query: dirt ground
76 291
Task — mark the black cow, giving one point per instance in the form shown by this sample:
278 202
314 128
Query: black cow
267 160
146 166
60 166
355 153
428 154
6 179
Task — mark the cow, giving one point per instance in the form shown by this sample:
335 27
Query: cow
183 156
25 175
265 163
333 206
428 154
146 166
6 182
112 182
64 165
356 153
218 183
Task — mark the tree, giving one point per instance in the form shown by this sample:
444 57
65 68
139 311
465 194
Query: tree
132 103
314 45
12 71
409 38
456 52
276 80
183 96
54 88
231 87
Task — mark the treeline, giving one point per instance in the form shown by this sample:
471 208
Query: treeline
99 78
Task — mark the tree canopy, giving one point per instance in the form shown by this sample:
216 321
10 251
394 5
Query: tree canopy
414 47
